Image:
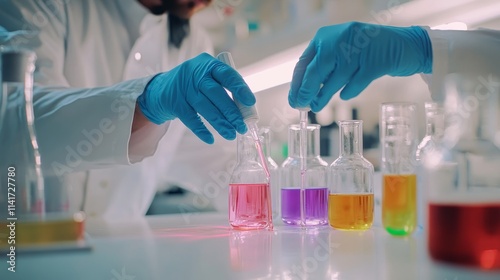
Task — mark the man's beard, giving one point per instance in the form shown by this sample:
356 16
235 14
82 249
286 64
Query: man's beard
168 6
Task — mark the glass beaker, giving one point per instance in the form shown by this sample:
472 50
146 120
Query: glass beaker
249 192
315 189
398 139
350 180
24 213
463 177
265 133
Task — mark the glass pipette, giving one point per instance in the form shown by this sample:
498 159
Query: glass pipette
250 115
303 163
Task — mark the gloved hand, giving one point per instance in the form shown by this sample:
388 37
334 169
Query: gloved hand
352 55
197 87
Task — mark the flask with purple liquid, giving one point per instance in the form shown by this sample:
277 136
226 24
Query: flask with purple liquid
315 193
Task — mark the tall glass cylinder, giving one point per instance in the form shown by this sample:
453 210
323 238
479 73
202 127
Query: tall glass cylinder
22 193
249 192
350 180
36 209
398 139
315 194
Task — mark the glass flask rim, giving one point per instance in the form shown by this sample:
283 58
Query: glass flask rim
310 127
399 104
349 122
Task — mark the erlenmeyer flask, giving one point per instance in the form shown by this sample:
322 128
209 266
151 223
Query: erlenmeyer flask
249 192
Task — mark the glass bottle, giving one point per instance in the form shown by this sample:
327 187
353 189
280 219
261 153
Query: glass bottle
265 133
315 195
350 179
398 139
463 178
249 191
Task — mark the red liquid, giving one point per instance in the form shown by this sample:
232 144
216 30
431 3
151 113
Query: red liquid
465 234
250 206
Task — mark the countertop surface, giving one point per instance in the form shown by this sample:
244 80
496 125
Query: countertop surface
202 246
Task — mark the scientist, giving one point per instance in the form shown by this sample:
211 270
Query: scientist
350 56
94 72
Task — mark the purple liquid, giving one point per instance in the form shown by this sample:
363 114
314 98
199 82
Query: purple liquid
316 200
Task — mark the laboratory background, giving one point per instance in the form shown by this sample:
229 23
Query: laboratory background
188 221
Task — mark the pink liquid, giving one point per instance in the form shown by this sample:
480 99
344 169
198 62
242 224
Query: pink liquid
250 206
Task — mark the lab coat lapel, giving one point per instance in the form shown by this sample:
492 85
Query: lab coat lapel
143 59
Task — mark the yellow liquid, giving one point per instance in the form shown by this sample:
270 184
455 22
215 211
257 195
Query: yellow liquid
399 207
350 211
42 232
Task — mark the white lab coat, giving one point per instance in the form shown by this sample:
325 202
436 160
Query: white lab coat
97 57
474 55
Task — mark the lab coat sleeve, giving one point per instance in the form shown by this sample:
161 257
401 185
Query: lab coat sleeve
471 53
79 129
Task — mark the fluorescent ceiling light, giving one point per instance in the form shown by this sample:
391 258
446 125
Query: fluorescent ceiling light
274 70
271 77
457 25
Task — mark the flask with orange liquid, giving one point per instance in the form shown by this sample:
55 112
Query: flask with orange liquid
350 180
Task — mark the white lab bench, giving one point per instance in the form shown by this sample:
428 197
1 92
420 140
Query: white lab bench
202 246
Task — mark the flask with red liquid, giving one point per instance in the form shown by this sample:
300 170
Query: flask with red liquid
463 178
249 191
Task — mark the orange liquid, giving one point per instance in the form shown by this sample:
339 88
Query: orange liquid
350 211
399 207
44 232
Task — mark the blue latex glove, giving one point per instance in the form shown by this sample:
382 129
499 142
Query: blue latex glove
352 55
197 87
